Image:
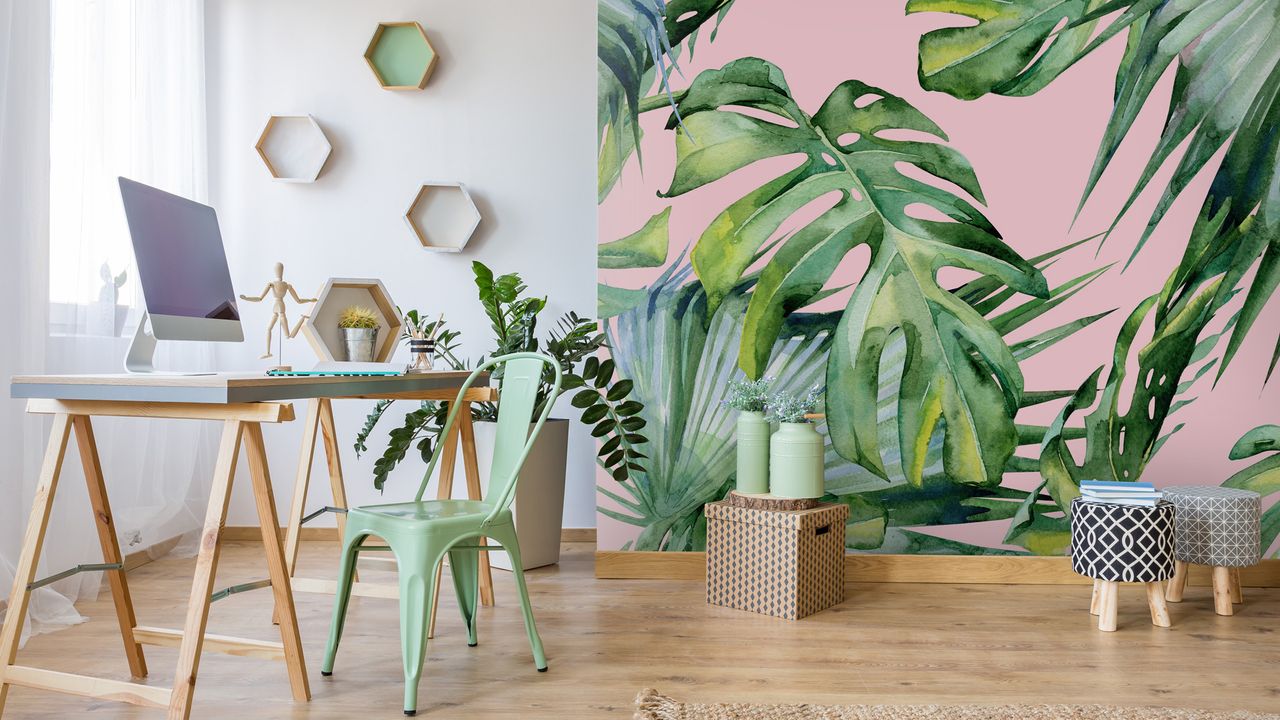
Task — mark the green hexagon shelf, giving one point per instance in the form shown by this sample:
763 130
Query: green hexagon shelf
443 216
400 56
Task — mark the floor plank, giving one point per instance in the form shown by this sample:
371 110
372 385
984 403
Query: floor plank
606 639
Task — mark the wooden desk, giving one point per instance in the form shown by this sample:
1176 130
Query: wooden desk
242 402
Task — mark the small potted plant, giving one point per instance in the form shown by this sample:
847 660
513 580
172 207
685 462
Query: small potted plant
749 398
795 451
359 328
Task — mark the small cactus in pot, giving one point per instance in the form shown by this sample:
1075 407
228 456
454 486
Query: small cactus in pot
359 327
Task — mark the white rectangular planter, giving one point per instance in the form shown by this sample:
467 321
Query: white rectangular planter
539 502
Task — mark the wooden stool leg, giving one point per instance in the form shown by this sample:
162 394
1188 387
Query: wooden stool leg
1095 602
1108 610
110 545
29 558
1222 590
1237 595
1155 600
277 568
184 684
1177 583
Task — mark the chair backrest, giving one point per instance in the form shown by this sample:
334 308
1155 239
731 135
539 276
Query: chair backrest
521 376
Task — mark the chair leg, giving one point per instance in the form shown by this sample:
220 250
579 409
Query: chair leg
1096 600
1222 591
464 566
1237 595
507 538
1155 600
341 599
417 590
1108 608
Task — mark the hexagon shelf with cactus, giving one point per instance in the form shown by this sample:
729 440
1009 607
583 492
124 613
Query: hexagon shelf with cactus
443 217
400 56
338 294
294 148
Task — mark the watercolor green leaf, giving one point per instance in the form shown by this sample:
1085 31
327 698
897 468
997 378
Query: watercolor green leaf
638 43
644 248
1262 477
1226 94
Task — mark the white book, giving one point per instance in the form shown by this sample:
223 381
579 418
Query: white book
1136 502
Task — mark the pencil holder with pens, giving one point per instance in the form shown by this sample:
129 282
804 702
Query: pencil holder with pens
422 350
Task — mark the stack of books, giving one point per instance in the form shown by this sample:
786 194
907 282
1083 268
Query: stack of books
1142 494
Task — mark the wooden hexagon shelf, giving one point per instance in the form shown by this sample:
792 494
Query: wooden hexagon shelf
443 217
400 56
321 328
294 148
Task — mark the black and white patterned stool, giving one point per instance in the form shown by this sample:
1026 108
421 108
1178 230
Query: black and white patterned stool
1114 543
1218 527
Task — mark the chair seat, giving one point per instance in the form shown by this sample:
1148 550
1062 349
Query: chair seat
425 511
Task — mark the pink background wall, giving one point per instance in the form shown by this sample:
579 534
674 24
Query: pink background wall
1032 156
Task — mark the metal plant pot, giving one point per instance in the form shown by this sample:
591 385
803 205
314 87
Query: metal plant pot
359 343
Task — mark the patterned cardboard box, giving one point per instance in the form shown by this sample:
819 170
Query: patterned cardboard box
788 564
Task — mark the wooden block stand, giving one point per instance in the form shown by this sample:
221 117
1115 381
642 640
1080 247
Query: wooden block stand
784 563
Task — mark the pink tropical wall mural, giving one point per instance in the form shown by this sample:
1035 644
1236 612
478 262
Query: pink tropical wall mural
1020 244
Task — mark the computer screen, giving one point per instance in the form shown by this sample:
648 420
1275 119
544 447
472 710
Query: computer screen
178 249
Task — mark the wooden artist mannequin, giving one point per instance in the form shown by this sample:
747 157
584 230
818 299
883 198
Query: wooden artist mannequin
277 289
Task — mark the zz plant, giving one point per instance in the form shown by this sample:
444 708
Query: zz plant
513 318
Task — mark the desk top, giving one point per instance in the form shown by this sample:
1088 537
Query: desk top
224 388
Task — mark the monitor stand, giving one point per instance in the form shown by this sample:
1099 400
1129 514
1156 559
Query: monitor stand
142 351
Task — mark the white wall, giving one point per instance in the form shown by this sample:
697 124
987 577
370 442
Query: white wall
509 111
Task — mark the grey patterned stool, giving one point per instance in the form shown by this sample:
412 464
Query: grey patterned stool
1114 543
1219 527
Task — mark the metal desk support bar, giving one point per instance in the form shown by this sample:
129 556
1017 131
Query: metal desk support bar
88 567
235 589
321 511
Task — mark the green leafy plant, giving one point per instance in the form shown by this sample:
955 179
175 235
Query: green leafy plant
357 317
749 395
786 407
573 342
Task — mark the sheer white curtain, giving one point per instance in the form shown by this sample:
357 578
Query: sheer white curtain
117 89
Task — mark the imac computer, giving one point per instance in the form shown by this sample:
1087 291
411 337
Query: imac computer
186 286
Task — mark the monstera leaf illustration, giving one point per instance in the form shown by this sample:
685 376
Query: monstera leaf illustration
1226 93
958 371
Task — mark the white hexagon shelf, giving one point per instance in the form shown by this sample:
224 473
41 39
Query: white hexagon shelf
442 216
338 294
294 148
400 56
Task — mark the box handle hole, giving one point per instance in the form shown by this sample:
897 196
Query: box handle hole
822 530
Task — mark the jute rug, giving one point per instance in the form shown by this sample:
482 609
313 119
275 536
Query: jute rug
652 706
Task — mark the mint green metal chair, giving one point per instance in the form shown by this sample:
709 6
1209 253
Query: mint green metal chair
421 533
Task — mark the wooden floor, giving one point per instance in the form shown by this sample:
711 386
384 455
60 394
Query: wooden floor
606 639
